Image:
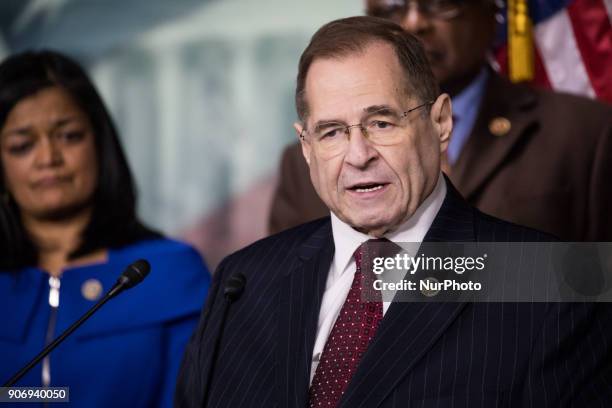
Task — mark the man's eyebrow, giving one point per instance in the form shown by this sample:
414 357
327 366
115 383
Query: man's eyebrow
381 110
373 109
326 123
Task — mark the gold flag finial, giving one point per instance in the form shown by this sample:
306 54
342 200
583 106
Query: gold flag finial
520 42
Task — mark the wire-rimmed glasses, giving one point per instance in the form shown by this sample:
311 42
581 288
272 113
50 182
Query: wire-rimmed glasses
382 126
396 9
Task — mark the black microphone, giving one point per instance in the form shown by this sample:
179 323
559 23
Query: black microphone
234 287
131 276
232 292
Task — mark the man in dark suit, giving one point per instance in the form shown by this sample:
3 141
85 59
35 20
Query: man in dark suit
373 127
533 157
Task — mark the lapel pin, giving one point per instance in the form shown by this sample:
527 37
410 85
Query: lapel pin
91 289
431 289
499 126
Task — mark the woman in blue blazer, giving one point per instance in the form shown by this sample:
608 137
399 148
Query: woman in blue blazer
68 228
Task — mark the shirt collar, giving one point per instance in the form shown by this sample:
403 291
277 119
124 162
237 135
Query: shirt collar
469 98
465 109
347 239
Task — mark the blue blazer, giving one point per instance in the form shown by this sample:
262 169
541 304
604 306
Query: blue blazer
128 353
423 354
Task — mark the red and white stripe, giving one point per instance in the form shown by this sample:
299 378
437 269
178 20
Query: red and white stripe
575 49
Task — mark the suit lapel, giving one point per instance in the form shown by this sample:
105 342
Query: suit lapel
405 335
409 329
485 151
300 297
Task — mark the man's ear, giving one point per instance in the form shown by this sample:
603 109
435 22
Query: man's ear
442 119
306 148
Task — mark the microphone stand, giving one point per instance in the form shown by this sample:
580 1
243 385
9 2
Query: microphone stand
124 282
232 291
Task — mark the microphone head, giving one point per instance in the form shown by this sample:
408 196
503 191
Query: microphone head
234 286
135 273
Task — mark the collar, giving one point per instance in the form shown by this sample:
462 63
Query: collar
469 99
465 110
347 239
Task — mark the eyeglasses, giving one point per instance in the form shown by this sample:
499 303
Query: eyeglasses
382 127
396 9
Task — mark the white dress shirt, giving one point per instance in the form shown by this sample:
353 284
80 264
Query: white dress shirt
342 270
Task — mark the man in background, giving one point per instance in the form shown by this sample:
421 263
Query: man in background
537 158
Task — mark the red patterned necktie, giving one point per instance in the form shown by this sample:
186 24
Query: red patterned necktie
349 338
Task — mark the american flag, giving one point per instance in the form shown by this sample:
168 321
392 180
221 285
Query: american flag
572 46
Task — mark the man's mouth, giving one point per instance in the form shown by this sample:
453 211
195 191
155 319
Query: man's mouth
367 187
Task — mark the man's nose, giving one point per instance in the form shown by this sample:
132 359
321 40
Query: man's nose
360 151
415 21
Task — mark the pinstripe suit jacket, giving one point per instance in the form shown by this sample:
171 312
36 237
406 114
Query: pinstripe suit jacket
423 354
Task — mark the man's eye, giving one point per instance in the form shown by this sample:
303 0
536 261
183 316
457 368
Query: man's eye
331 133
380 125
443 5
389 11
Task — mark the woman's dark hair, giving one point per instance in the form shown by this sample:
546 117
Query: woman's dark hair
113 222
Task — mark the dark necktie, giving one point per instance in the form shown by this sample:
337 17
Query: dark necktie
349 338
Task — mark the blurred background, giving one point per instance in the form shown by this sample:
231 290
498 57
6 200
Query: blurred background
201 92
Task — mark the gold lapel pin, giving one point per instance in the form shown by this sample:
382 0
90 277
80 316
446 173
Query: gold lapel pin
91 289
430 287
499 126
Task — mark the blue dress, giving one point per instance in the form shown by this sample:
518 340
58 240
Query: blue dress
128 353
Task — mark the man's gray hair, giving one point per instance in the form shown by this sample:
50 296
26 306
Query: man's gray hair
352 35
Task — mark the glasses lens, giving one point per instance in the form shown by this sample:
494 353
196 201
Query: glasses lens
443 8
390 9
329 140
384 127
384 132
396 10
